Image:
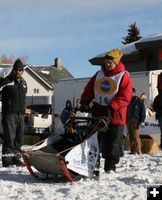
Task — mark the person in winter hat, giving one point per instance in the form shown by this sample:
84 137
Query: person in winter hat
18 65
114 55
111 88
13 109
66 111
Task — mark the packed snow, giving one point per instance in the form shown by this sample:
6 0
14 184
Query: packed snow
134 174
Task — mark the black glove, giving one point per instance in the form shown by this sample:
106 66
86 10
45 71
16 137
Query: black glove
84 108
109 112
8 79
11 75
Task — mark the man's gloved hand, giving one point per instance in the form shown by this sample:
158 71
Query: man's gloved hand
8 79
84 108
142 125
11 75
109 111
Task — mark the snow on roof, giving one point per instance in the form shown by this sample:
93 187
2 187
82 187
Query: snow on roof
130 48
153 37
126 49
45 71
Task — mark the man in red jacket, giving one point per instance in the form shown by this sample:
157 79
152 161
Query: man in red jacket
111 88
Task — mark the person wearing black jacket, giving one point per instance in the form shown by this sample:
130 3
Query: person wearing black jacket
13 109
66 111
157 106
135 119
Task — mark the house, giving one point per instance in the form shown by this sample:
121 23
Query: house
40 80
142 55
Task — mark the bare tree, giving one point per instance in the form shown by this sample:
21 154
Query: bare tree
4 59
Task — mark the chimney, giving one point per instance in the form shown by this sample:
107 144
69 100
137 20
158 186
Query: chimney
58 64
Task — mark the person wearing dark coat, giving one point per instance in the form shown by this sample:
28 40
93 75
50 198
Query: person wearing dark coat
77 107
135 119
13 109
159 83
66 111
157 106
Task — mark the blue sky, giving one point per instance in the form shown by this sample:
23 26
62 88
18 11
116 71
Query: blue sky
72 30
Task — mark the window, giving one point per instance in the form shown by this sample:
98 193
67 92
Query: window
152 60
36 91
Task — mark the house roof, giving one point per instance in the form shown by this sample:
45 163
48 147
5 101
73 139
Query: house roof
131 48
50 73
47 73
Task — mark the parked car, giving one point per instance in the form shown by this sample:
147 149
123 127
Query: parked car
38 119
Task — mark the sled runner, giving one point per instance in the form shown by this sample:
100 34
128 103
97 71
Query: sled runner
71 155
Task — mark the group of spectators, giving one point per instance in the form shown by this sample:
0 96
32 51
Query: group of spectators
111 92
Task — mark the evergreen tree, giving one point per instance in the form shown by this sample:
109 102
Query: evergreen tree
133 34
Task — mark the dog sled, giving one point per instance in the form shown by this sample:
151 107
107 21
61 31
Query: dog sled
71 155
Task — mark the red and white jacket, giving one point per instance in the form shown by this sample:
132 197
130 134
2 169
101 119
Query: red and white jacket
110 89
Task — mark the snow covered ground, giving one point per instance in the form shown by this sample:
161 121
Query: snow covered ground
134 173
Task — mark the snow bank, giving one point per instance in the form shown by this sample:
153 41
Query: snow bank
134 173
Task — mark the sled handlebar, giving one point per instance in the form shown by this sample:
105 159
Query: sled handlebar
101 123
73 117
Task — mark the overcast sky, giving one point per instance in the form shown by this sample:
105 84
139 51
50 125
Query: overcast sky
72 30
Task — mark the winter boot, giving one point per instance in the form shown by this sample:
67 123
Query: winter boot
17 161
6 161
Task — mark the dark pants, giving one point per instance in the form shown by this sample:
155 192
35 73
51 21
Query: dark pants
112 142
100 134
160 124
13 128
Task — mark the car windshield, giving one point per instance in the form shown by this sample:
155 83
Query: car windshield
41 109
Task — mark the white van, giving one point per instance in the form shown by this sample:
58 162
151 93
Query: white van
37 122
